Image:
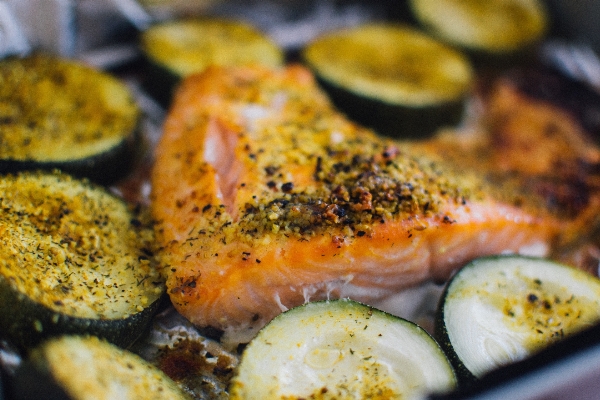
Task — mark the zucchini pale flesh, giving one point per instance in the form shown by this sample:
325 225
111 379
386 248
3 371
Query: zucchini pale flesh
392 78
486 26
60 114
73 259
176 49
341 349
85 367
502 309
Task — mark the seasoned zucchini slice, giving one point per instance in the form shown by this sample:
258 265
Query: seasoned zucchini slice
85 367
392 78
60 114
501 309
73 259
341 349
176 49
488 26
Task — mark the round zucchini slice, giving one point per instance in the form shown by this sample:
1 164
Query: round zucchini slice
176 49
392 78
496 27
60 114
502 309
73 259
86 367
341 349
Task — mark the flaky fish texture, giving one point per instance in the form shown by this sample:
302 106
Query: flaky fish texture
266 197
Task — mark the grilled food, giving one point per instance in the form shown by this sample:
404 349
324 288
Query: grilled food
58 113
392 78
74 259
176 49
266 197
491 27
538 137
341 349
501 309
85 367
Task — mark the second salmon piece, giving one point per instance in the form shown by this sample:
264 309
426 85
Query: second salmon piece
266 197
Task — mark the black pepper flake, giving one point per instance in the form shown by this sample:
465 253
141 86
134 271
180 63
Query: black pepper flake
206 207
532 298
271 170
361 233
287 187
448 220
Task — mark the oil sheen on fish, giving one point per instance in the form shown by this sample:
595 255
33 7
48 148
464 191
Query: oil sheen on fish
266 197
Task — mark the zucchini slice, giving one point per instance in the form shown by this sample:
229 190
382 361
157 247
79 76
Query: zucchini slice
501 309
86 367
73 259
341 349
176 49
60 114
392 78
484 26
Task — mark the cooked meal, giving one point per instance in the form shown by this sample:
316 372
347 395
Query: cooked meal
502 309
59 113
492 26
75 259
85 367
266 197
176 49
341 349
392 78
290 211
538 134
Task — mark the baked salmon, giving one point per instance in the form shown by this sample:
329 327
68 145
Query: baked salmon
266 197
537 131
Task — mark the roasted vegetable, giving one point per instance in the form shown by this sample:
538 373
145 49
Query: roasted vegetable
493 28
60 114
73 259
176 49
85 367
501 309
392 78
341 349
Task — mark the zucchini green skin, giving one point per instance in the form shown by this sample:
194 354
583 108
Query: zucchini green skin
60 114
160 82
394 120
464 375
468 378
27 323
74 367
103 168
392 78
341 349
75 259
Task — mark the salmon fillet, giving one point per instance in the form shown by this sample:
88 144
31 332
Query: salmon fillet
537 133
266 197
